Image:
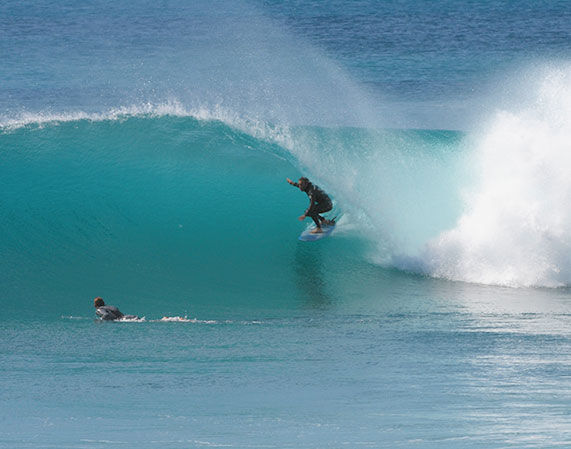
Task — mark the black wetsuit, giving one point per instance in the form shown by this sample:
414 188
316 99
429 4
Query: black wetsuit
319 202
109 313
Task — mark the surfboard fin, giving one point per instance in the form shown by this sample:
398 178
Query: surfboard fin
332 221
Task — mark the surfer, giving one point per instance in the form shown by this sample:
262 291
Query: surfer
319 202
109 313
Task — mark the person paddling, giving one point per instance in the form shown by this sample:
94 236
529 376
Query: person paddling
319 202
110 313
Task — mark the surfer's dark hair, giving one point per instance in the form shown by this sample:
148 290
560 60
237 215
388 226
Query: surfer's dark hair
98 302
303 182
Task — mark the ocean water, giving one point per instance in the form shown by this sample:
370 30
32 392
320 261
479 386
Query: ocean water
144 148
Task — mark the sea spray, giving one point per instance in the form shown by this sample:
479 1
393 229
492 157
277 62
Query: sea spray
516 229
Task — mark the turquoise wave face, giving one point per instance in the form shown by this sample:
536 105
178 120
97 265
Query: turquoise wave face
160 208
179 213
157 210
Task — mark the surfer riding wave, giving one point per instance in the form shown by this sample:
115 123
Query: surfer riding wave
319 202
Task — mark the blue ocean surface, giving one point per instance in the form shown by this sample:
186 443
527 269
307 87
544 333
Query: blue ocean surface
144 151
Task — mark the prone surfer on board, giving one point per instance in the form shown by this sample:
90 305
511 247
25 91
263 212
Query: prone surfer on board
109 313
319 202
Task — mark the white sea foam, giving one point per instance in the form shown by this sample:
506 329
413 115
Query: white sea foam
131 320
185 319
516 229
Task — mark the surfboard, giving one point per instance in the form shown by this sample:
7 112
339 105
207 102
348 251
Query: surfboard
307 236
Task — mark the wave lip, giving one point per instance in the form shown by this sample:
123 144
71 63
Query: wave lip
253 126
41 118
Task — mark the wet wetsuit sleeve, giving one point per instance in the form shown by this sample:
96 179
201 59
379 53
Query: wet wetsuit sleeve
104 314
109 313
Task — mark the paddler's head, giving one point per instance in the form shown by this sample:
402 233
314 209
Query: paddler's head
98 302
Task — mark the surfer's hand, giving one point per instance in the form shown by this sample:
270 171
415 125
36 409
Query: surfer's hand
289 181
301 217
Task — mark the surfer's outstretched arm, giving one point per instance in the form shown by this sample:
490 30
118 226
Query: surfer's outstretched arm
289 181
